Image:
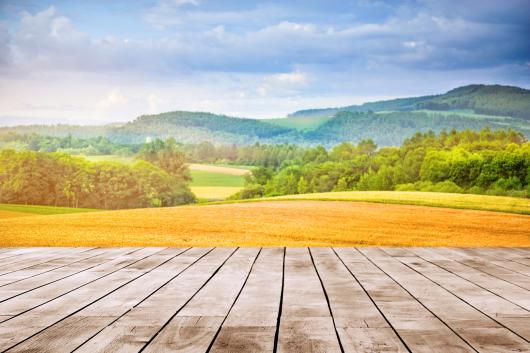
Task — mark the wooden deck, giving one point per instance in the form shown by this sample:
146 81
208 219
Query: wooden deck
264 300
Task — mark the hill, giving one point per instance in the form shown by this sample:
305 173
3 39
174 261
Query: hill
388 123
481 99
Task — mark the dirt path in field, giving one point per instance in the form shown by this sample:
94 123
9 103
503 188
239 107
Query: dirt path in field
218 169
277 223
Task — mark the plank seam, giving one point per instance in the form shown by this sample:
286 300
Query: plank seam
60 279
476 284
144 299
186 303
280 308
103 296
233 303
373 302
417 300
327 300
471 305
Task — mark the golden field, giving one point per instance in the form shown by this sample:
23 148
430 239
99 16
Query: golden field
272 223
434 199
11 214
214 192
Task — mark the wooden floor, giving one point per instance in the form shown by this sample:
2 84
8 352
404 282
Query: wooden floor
264 300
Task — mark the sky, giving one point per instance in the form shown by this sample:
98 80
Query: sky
105 61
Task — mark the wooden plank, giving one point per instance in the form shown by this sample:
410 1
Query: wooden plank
480 331
419 328
507 314
306 324
135 329
49 266
27 260
360 325
25 285
22 327
251 324
508 291
194 328
33 298
479 260
514 266
68 334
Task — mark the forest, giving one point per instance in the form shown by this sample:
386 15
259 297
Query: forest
479 162
158 178
40 172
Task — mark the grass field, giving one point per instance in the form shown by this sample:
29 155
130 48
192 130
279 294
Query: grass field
214 182
272 223
25 210
210 182
434 199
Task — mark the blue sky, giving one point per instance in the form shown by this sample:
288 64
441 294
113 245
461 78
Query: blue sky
100 61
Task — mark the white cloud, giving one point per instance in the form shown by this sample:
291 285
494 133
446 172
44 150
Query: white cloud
114 98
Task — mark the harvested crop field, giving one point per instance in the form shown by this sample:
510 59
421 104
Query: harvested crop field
11 214
273 223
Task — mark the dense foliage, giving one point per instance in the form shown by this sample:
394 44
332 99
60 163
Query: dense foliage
59 179
493 162
91 146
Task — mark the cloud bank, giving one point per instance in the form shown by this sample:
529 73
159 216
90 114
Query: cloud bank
95 63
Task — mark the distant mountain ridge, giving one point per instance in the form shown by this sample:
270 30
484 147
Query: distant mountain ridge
482 99
386 122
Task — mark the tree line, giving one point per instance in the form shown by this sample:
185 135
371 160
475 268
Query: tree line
158 178
492 162
91 146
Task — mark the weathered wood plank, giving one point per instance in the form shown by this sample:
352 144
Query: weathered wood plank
194 328
25 261
360 325
421 330
68 334
480 331
19 303
251 325
508 291
21 327
21 286
133 331
306 324
484 264
49 266
509 315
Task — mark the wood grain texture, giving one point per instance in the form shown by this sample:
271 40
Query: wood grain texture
257 300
